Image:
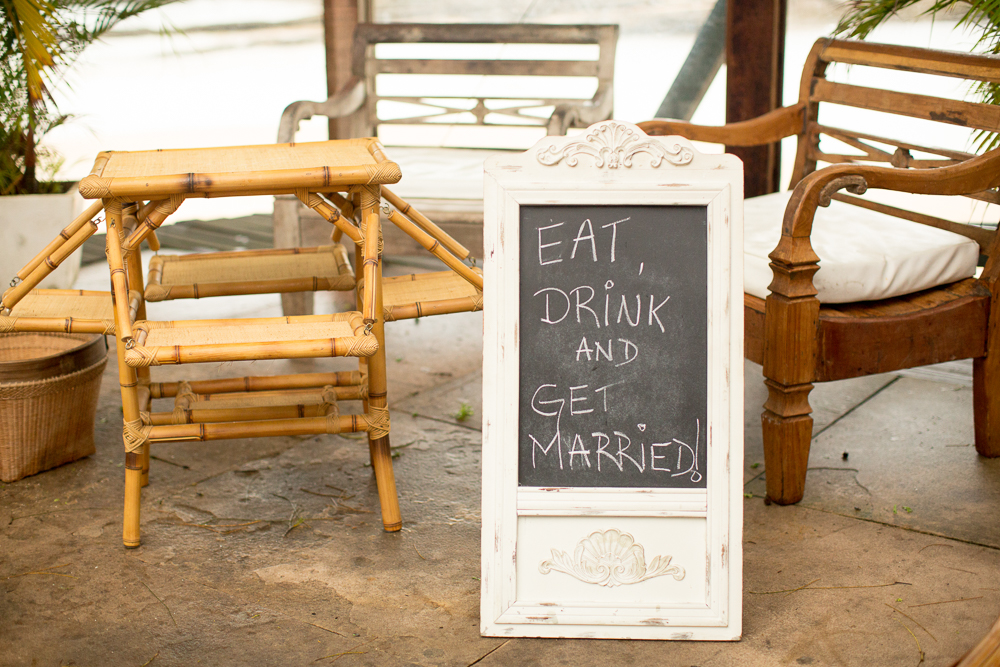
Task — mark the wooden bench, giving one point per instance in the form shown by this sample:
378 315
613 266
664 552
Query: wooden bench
822 317
442 98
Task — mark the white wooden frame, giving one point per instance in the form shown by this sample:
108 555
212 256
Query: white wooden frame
612 163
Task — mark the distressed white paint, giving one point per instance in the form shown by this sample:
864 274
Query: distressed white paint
525 529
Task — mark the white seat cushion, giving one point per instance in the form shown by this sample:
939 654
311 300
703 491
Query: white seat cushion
863 255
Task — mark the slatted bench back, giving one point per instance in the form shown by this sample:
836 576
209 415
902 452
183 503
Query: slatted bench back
457 86
937 118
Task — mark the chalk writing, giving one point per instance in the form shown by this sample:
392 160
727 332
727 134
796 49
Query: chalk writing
613 346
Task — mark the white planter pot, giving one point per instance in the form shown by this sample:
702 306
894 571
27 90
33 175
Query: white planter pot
27 224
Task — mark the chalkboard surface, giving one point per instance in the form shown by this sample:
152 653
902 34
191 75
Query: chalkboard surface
613 346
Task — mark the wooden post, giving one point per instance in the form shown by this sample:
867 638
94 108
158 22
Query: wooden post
703 62
755 58
340 17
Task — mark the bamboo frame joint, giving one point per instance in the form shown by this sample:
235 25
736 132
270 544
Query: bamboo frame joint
136 433
378 422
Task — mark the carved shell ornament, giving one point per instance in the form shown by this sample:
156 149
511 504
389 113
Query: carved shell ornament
610 558
613 145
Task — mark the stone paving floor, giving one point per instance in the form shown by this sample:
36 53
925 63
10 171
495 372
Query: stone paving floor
271 552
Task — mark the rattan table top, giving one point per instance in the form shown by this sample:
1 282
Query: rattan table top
239 170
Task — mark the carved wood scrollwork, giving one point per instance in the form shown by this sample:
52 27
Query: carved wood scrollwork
610 558
854 184
614 145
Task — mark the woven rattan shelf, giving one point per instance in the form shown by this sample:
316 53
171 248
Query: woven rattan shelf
249 272
239 170
78 304
68 311
424 294
194 341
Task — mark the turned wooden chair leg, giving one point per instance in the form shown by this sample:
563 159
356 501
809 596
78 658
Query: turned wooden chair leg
787 427
986 373
986 403
791 325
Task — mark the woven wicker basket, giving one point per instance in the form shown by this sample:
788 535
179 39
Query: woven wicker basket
49 386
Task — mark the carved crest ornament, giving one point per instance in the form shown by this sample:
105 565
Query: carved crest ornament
610 558
613 145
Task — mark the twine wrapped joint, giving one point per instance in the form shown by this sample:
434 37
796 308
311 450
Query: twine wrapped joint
95 187
329 395
135 434
384 172
168 206
138 357
378 422
155 292
185 396
332 410
362 346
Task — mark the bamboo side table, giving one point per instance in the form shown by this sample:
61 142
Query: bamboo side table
139 190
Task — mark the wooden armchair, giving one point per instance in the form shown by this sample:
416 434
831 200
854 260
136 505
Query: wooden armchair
444 111
869 288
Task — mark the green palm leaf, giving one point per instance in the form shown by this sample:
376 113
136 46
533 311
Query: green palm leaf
39 41
30 35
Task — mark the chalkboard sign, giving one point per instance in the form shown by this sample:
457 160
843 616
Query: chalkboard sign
612 389
613 349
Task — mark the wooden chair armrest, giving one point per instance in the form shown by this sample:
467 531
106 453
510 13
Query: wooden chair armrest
348 100
793 260
766 129
973 175
582 114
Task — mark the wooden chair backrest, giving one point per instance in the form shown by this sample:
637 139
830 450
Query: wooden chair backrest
416 78
935 115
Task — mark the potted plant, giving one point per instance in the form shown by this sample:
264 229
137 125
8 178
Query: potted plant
39 41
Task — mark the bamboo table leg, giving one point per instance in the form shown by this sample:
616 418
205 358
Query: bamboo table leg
127 376
381 455
362 361
133 264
